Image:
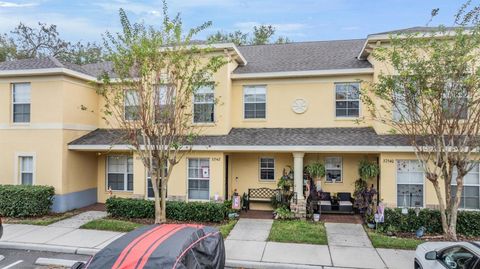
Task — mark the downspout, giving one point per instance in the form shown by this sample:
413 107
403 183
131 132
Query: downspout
378 182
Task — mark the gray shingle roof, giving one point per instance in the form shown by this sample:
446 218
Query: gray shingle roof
98 69
417 29
268 137
41 63
303 56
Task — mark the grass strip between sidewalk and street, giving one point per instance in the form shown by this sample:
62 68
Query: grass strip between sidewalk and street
298 231
111 225
42 221
226 228
385 241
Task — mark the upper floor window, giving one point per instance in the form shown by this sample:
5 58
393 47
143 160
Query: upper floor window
455 101
267 169
21 102
204 104
333 169
347 100
254 102
131 105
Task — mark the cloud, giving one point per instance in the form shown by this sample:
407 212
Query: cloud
14 5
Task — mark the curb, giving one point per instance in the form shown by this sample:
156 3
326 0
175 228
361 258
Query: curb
55 262
269 265
49 248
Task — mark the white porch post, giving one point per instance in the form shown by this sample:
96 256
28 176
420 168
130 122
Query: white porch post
298 173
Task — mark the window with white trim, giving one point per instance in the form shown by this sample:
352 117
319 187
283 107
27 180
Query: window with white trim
267 169
471 188
149 182
165 100
347 100
455 101
25 170
131 104
333 169
254 102
21 102
410 183
199 178
120 173
204 104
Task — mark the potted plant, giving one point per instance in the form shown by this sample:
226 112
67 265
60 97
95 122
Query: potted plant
316 170
368 170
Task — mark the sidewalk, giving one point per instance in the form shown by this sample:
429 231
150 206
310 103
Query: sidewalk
63 236
349 247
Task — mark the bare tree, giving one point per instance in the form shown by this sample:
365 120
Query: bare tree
431 95
159 71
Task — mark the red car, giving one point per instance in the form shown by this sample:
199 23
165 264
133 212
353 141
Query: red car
163 246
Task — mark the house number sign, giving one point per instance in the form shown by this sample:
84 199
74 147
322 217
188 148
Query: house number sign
299 106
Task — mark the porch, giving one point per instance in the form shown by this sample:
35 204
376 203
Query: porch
257 172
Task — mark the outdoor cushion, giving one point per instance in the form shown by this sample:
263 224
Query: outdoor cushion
347 203
325 196
325 203
344 196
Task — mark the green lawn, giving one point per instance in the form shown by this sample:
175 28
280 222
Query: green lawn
226 228
43 221
298 231
384 241
111 225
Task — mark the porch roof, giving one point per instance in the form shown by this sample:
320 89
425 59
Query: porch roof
258 138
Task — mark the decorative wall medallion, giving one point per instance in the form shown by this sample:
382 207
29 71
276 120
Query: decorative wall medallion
299 106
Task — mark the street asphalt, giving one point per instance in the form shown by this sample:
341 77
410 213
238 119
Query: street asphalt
24 259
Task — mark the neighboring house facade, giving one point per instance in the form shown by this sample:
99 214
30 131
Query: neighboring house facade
279 106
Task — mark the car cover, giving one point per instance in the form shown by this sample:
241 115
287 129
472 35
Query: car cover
164 246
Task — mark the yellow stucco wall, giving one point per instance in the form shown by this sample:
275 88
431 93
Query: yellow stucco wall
177 185
388 182
281 93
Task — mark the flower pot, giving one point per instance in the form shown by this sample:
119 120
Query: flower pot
371 225
316 217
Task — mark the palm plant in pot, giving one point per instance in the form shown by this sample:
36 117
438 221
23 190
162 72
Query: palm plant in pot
316 171
365 196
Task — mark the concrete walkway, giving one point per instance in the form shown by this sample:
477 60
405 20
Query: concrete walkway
63 236
80 219
348 247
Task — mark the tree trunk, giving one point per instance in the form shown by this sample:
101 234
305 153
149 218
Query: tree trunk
156 194
163 188
452 227
443 215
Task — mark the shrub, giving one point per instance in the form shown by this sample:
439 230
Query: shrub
468 222
284 213
25 201
176 210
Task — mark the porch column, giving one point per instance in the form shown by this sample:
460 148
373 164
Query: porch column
298 173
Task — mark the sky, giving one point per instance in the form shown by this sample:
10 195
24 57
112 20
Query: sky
299 20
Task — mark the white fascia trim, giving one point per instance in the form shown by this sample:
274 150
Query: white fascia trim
48 126
312 73
362 149
47 71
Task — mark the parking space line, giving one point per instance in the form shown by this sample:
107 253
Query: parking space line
12 264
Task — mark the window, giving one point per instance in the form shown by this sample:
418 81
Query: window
198 179
21 102
409 183
458 257
254 101
26 170
267 169
120 173
165 97
333 169
203 104
471 188
131 105
455 101
149 182
347 99
400 110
